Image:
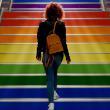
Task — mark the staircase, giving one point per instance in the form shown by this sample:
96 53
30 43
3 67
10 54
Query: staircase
36 5
83 85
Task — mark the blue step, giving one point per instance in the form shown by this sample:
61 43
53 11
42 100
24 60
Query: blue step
63 92
58 106
56 1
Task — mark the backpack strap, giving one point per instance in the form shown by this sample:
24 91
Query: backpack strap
54 26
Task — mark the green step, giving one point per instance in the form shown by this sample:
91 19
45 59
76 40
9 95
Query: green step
64 68
62 80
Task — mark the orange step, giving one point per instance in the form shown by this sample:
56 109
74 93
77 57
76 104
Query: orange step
18 39
88 30
88 39
71 39
76 22
69 30
67 15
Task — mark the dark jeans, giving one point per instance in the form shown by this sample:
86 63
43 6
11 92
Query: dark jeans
51 72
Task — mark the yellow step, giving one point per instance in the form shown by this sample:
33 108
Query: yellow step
76 58
72 48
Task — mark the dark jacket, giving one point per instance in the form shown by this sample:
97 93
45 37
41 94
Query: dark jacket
44 29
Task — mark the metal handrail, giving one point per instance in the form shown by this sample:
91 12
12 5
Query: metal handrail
103 5
8 6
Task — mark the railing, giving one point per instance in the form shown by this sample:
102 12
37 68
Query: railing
5 5
105 6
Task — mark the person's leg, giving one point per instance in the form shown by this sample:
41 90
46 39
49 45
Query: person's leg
50 83
50 78
55 79
57 61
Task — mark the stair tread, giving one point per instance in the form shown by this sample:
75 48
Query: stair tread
63 92
67 15
17 1
63 5
70 39
58 105
77 22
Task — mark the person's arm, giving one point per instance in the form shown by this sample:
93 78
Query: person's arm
63 28
39 41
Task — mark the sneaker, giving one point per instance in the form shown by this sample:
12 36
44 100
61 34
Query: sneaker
51 106
56 96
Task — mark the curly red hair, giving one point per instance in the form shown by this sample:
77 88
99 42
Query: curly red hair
54 9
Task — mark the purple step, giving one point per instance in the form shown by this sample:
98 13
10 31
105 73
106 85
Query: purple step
64 5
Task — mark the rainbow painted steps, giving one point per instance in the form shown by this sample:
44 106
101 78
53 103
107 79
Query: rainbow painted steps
81 48
32 1
87 31
78 58
89 74
74 22
64 92
70 30
70 39
62 80
42 6
64 68
33 105
68 14
26 5
90 33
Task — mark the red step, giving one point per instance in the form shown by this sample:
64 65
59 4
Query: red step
76 22
67 15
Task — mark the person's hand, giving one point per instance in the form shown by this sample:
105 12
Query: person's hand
38 58
68 60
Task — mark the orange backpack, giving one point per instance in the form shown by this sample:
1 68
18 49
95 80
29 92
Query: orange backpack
53 41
